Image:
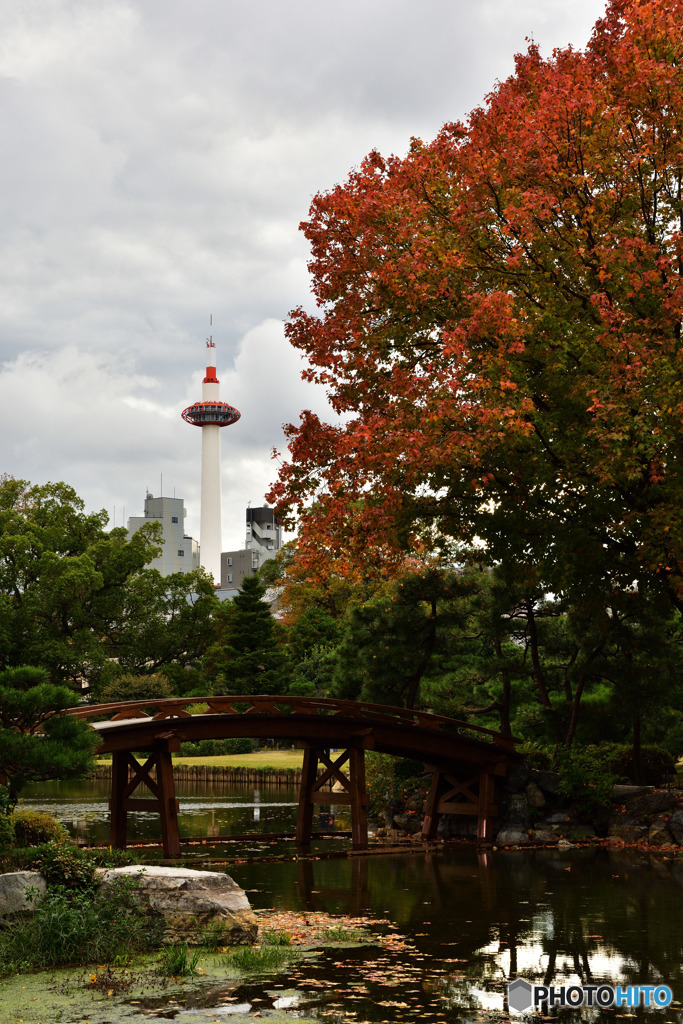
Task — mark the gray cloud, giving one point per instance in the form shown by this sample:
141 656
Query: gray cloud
157 159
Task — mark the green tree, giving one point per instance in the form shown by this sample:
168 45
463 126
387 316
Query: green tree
247 657
63 579
130 687
37 741
398 638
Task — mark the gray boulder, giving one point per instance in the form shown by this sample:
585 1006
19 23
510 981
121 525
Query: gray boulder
545 835
549 782
534 796
186 903
518 810
676 826
517 778
626 828
653 803
659 834
13 890
623 793
512 837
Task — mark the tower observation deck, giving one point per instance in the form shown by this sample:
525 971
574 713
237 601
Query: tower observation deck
211 414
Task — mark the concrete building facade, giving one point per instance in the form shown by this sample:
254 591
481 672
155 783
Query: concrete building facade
263 541
179 552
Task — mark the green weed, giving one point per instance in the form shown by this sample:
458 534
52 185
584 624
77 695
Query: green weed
275 937
75 927
178 961
255 959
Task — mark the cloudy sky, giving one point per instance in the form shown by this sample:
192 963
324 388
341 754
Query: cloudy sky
158 157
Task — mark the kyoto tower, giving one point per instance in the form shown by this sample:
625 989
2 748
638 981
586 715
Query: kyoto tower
211 414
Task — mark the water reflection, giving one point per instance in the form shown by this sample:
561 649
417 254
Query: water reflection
206 809
476 922
472 921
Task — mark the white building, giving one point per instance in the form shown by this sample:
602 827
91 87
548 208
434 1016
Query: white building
179 552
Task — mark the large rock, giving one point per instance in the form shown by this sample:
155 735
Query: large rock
517 777
518 810
620 794
653 803
13 890
627 829
676 826
549 782
534 796
188 903
512 837
659 834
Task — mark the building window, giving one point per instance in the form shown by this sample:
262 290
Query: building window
181 553
174 519
229 577
229 561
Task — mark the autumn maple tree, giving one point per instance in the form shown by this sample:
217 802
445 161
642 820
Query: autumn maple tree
499 327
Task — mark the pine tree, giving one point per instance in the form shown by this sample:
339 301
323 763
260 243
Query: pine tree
246 657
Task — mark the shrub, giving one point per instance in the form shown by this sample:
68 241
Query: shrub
216 748
65 865
75 928
537 756
130 687
111 858
6 832
586 779
32 828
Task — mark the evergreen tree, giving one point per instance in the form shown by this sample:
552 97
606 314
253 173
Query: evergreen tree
247 656
37 741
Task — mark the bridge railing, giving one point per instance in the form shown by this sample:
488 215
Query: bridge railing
283 706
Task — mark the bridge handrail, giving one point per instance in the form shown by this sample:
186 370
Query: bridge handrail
264 704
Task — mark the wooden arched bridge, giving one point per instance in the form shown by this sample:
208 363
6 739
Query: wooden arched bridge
464 759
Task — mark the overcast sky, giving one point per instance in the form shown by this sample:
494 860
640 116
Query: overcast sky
158 157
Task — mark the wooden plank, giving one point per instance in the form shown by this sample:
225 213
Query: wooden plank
450 807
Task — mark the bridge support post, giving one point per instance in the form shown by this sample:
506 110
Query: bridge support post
162 789
352 792
474 797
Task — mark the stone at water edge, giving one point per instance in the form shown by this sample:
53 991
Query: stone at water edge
676 826
13 888
188 902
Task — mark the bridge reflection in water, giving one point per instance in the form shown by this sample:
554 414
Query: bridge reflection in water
465 760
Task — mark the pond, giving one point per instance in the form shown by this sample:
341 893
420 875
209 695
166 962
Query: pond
464 923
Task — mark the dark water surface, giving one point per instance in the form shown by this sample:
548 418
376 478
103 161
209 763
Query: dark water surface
206 809
466 923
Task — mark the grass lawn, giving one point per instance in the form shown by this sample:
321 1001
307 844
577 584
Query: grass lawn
264 759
